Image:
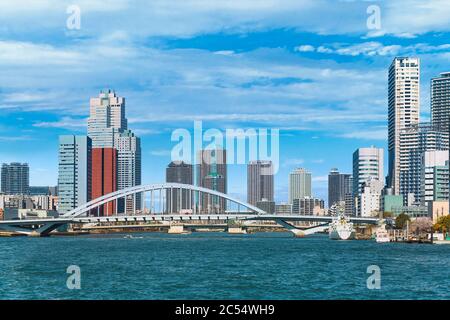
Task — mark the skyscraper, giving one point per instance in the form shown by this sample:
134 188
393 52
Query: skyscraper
15 178
128 147
367 164
440 101
74 172
107 117
404 109
212 174
104 177
339 184
299 184
259 181
179 172
414 141
108 129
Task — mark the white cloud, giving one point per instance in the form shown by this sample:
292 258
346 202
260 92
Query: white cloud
65 122
304 48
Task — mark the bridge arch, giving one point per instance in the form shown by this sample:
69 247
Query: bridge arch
114 196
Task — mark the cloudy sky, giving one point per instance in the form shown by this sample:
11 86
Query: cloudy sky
312 68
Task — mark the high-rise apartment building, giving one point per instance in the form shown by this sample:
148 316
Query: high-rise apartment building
414 141
403 109
179 172
339 185
367 164
15 178
212 174
128 147
435 176
259 181
300 185
440 101
74 172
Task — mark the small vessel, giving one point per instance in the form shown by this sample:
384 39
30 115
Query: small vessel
382 235
341 228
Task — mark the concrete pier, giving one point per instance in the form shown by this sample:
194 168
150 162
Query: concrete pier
236 230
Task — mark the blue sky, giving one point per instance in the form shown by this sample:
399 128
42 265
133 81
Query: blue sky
311 68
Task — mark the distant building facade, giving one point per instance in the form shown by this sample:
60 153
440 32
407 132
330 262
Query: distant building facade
179 172
308 206
339 185
414 141
368 163
403 110
435 176
74 172
260 182
300 185
15 178
440 101
212 174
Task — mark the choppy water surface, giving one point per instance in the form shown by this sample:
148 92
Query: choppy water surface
220 266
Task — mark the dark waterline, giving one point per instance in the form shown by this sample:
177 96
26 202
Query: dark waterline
220 266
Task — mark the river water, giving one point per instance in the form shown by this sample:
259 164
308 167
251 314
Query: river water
219 266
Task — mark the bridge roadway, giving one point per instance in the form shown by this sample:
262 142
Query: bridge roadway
46 225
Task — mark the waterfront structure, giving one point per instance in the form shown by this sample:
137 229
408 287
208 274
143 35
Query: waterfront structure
212 174
15 178
299 184
266 205
339 185
179 172
403 109
369 200
260 182
74 172
308 206
435 176
440 101
104 177
367 164
414 141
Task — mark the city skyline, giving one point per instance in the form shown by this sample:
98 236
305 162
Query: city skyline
199 72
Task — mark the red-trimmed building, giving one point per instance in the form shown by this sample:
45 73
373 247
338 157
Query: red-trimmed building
104 177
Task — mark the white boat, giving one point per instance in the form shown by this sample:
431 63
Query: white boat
382 235
341 228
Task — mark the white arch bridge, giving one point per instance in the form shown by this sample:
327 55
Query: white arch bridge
167 202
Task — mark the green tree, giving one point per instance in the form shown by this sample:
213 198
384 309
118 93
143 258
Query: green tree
401 220
443 224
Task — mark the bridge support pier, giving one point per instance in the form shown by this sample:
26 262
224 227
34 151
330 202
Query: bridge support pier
176 229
